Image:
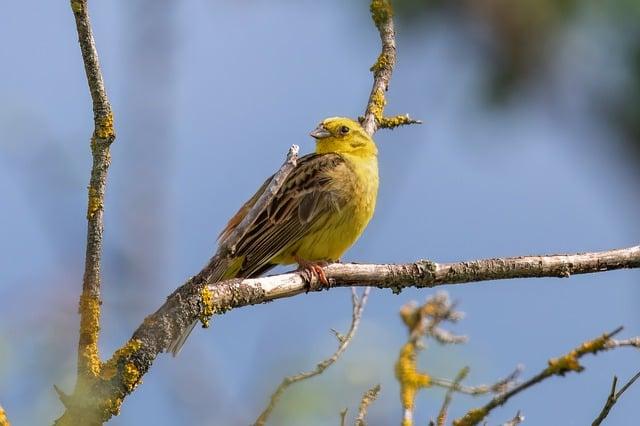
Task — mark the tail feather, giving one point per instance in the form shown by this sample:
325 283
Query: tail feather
221 271
176 344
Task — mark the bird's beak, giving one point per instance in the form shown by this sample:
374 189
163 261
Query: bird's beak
320 132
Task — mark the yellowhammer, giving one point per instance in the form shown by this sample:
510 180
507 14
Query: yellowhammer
319 212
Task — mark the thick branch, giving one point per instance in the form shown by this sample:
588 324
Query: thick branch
356 315
186 303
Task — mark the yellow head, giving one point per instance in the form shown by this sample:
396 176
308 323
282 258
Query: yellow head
343 136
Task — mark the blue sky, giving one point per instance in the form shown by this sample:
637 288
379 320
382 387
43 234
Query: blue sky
208 97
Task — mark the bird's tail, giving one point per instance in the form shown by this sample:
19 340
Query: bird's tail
177 343
220 269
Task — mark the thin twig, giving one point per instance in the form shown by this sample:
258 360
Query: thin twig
498 387
4 421
368 397
89 364
515 421
557 367
613 398
448 396
356 315
343 417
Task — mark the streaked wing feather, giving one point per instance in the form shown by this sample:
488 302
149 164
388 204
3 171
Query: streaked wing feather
303 202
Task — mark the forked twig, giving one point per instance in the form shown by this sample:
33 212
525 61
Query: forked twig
344 340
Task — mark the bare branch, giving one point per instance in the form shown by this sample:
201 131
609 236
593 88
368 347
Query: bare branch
613 398
498 387
382 15
4 421
448 396
89 364
186 304
343 417
358 307
557 367
368 397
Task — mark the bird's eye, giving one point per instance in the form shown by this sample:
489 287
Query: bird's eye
344 130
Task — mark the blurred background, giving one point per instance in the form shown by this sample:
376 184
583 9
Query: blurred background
530 144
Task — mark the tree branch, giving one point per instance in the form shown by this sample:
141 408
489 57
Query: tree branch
382 15
89 364
613 398
358 307
557 367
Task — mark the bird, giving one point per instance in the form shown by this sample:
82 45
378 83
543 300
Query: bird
318 213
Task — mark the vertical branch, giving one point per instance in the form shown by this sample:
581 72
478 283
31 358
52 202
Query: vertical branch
89 364
382 15
103 136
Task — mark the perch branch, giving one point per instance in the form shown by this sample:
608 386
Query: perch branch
557 367
368 397
89 364
356 315
613 398
186 303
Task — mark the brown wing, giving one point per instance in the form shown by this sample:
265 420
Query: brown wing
302 204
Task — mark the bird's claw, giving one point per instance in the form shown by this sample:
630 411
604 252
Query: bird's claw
313 274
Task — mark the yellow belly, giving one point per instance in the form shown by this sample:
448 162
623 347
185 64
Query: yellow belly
342 228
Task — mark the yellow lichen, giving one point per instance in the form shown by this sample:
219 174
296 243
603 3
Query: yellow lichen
377 104
110 368
383 62
76 6
4 421
95 203
411 381
569 362
111 407
206 296
381 11
130 376
395 121
472 418
104 127
89 331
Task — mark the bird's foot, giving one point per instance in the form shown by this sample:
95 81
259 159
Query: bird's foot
313 274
